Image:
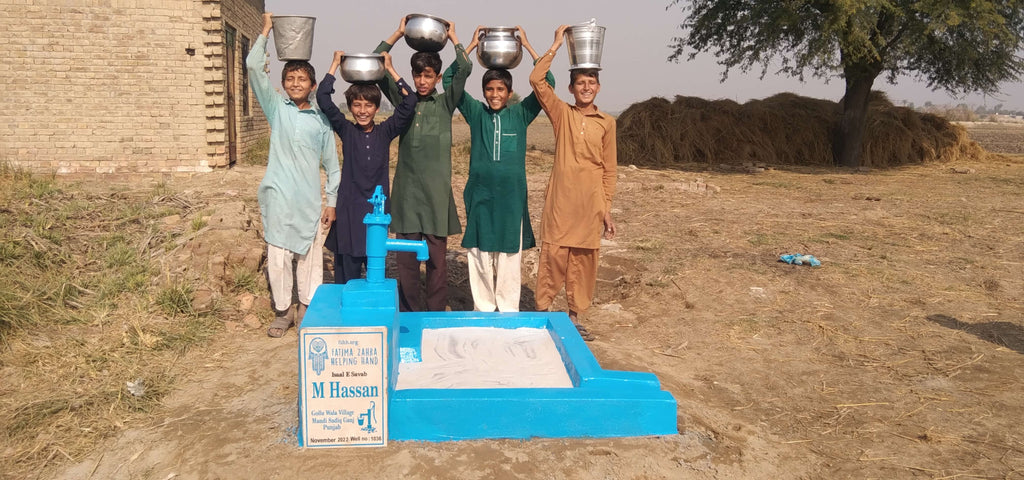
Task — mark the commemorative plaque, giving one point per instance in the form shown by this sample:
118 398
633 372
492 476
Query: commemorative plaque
343 387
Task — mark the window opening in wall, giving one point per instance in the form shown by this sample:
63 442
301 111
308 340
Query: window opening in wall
231 83
245 77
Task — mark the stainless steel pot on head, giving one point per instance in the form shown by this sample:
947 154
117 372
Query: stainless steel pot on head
426 33
585 43
499 48
362 68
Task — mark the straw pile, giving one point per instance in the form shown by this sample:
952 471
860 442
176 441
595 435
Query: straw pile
784 129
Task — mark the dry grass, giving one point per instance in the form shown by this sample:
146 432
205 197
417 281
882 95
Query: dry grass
258 153
784 129
81 315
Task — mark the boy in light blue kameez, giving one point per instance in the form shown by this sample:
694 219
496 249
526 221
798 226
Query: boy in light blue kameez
301 141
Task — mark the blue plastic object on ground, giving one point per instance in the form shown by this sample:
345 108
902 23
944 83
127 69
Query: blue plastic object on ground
800 259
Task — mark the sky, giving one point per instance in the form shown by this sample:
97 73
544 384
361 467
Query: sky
634 66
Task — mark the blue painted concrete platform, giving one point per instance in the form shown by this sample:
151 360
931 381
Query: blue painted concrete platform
602 403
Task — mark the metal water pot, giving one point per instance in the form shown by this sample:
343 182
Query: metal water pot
293 36
585 43
499 48
362 68
426 33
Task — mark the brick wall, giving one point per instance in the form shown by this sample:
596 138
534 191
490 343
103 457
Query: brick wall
246 18
249 21
109 86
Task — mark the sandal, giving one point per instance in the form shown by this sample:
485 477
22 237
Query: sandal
280 325
584 333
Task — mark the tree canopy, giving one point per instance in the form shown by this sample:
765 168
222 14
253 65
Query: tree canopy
961 46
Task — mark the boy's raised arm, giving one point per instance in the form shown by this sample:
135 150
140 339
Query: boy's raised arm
533 53
390 68
326 102
394 37
335 62
526 43
449 74
255 63
463 67
530 104
545 94
405 110
467 105
476 40
387 84
451 33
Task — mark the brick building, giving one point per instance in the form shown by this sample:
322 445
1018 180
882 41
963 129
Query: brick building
112 86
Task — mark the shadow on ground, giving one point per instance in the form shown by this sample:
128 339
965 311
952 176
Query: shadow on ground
1005 334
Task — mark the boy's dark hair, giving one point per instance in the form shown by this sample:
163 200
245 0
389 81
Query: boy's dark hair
421 60
584 72
362 91
497 74
294 65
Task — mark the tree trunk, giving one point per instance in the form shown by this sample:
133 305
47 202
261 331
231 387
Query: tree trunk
849 140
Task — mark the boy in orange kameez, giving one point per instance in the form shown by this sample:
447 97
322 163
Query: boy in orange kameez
577 204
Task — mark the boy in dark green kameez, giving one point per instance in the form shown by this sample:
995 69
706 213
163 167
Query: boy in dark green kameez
422 202
497 218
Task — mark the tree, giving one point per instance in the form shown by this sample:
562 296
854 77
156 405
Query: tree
961 46
514 99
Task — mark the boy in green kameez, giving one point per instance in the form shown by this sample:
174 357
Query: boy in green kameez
422 202
497 217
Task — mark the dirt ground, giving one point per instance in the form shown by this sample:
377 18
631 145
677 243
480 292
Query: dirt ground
901 356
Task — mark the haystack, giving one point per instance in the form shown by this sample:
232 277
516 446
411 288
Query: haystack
784 129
